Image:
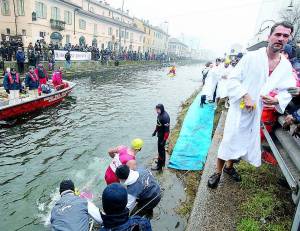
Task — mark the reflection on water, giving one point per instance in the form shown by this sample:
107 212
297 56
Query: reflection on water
71 140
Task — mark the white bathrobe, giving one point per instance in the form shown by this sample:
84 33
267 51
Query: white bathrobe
211 82
242 128
222 91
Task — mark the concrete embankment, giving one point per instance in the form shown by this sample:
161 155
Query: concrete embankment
214 209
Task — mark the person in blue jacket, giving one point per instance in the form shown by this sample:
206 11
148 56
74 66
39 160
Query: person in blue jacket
20 57
32 82
142 188
12 85
116 215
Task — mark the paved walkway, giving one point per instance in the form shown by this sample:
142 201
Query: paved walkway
214 209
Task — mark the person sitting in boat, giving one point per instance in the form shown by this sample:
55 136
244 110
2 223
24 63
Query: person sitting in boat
12 85
72 212
142 188
32 83
172 70
122 155
41 73
57 79
116 215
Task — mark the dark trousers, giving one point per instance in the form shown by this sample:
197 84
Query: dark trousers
161 143
21 67
215 94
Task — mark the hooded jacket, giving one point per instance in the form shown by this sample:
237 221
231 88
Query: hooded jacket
163 123
122 222
141 186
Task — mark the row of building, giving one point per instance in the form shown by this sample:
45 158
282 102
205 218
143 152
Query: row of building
90 22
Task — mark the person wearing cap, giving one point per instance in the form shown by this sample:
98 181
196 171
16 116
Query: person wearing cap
115 214
32 83
71 212
12 85
20 57
142 189
122 155
41 73
162 131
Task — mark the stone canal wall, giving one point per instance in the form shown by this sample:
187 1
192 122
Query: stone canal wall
85 67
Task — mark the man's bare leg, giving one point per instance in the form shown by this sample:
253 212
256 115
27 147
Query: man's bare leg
220 165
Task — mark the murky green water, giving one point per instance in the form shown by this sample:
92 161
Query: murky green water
71 140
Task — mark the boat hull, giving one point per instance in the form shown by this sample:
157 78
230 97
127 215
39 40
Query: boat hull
14 111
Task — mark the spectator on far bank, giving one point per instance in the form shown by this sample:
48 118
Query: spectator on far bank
68 59
20 57
31 58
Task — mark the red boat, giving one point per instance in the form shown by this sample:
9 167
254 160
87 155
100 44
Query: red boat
27 105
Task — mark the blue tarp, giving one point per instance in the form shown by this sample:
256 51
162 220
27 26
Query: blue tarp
194 139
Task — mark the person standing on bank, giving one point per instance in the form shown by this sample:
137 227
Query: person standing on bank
68 59
249 84
20 57
162 131
32 83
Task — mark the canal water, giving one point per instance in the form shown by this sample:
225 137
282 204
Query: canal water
71 141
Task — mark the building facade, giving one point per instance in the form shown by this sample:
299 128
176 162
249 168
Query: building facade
155 39
88 22
178 49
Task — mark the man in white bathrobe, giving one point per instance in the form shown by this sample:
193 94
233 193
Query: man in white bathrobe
256 75
209 89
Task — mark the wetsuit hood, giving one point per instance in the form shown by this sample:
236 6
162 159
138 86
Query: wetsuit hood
161 107
115 220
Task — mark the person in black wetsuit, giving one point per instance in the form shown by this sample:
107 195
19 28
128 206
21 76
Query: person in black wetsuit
162 131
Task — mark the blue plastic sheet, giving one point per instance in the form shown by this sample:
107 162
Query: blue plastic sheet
194 139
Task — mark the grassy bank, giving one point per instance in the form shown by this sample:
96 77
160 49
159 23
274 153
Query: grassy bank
264 205
191 179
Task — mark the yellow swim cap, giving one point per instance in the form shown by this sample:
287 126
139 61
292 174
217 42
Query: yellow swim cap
227 61
137 144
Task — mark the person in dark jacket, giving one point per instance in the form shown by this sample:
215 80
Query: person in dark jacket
162 131
20 57
68 59
12 85
32 82
116 215
141 187
71 212
31 58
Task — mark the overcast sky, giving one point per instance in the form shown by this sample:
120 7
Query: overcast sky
216 23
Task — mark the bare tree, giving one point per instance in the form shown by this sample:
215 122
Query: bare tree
292 15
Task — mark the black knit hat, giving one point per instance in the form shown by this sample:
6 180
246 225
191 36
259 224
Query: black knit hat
122 172
114 199
66 185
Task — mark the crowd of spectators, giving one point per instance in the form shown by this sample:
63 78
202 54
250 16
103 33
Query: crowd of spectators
41 51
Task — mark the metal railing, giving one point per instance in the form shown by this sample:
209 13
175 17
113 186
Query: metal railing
57 24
